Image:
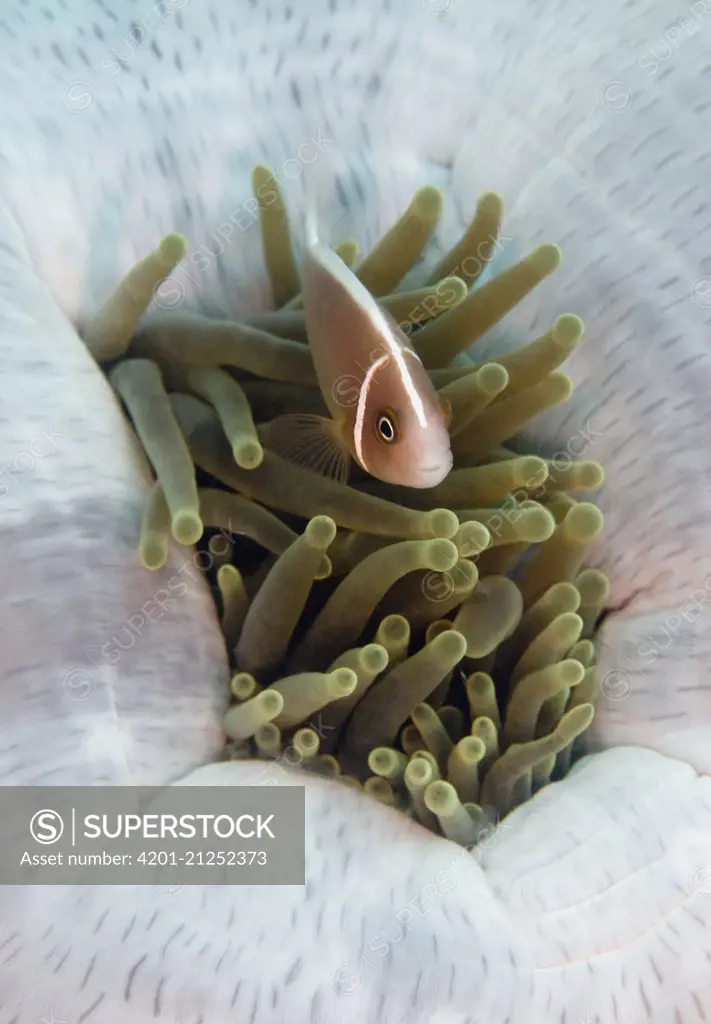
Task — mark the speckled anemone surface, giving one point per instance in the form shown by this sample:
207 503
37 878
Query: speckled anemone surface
374 631
593 121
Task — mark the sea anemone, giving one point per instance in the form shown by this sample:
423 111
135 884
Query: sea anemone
432 647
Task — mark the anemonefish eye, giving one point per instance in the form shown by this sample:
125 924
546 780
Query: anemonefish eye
385 428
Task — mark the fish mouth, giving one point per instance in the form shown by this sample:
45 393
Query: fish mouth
430 476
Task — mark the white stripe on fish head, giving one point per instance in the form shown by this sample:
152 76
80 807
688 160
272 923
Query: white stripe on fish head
397 351
361 407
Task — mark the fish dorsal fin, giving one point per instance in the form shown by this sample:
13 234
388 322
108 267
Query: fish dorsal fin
311 231
344 279
312 442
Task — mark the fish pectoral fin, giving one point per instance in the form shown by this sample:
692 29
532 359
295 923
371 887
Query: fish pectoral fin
446 407
312 442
